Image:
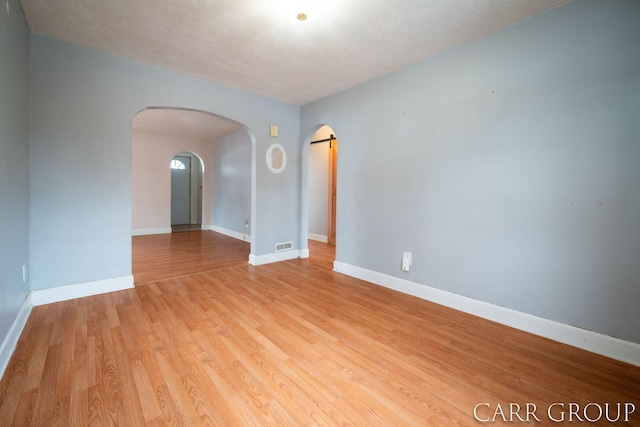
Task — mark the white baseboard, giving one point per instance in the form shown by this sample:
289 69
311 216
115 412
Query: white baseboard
10 342
147 231
273 257
226 232
594 342
63 293
304 253
318 237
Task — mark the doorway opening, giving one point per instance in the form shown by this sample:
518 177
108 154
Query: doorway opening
321 185
187 170
198 138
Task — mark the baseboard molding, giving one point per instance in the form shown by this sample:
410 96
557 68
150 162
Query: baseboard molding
10 342
63 293
274 257
304 253
318 237
594 342
147 231
227 232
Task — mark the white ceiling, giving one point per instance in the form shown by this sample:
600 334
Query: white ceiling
258 46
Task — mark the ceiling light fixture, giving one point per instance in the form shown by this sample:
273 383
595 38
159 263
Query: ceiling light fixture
305 10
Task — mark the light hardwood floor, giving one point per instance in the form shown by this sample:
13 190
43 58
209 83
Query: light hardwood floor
207 339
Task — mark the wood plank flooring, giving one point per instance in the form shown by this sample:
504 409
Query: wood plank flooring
162 256
223 343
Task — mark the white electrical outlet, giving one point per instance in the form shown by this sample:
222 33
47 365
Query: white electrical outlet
24 273
406 261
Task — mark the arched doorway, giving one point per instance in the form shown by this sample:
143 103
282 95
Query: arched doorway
323 157
319 187
158 134
187 171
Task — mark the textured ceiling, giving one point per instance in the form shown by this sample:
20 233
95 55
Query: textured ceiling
258 46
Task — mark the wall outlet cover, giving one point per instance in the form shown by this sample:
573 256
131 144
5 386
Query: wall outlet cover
406 261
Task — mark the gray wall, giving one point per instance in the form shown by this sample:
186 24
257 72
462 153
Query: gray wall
232 182
508 166
82 105
14 162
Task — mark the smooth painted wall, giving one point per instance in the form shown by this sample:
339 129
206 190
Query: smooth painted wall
82 104
152 153
508 166
14 162
231 182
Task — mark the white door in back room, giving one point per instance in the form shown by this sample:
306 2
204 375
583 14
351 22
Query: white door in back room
180 190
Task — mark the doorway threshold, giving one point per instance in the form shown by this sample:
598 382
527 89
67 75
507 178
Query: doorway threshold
185 227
